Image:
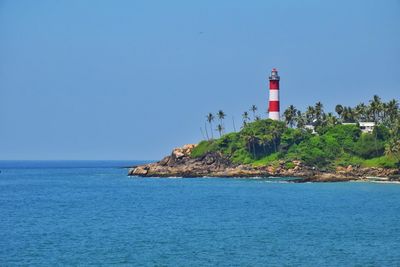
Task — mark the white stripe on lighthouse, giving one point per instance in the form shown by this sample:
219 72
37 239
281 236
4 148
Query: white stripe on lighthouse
274 115
273 95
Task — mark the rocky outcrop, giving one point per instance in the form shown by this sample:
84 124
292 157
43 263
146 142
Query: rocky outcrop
214 164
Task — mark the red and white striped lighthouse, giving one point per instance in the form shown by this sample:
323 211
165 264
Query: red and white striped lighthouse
273 108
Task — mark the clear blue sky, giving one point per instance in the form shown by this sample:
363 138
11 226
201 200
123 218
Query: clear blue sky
133 79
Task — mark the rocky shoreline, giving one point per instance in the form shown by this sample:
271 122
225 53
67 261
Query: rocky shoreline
213 164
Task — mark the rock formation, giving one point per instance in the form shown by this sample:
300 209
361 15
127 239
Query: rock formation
214 164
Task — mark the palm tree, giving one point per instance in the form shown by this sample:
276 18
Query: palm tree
300 120
205 128
392 149
376 107
348 115
361 112
263 142
220 129
275 136
233 123
245 117
254 109
251 140
392 110
331 119
221 116
290 114
319 110
339 110
310 114
210 119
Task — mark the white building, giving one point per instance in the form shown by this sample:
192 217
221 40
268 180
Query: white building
367 127
311 128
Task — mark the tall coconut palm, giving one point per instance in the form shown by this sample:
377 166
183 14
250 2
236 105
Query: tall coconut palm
310 114
233 124
263 142
205 128
392 149
220 129
275 138
210 119
251 140
245 117
300 120
221 116
348 115
290 114
339 110
361 112
319 110
330 119
254 109
392 111
376 107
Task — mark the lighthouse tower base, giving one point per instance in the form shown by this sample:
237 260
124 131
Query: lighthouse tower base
274 115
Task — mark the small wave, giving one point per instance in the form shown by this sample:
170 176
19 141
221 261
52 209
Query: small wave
385 182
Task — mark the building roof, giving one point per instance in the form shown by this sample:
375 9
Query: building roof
367 123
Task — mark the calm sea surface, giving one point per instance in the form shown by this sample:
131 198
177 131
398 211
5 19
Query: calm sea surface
92 213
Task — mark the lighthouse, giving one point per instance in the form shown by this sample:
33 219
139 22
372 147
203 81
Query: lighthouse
273 108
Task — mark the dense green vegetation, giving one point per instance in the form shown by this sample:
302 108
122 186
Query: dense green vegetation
265 142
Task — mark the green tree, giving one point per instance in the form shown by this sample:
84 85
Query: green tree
310 115
392 111
330 119
245 117
348 115
220 129
392 149
254 109
376 108
290 115
300 120
339 110
361 112
210 119
319 113
221 116
275 133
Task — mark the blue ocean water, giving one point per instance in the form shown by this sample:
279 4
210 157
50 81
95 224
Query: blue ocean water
92 213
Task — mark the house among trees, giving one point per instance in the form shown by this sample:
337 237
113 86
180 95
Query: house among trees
367 127
311 128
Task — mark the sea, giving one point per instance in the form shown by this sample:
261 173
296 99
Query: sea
90 213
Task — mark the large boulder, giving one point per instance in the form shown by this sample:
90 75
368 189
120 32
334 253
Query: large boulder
182 152
139 170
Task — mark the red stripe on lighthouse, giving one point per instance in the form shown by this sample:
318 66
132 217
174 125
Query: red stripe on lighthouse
273 106
274 84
